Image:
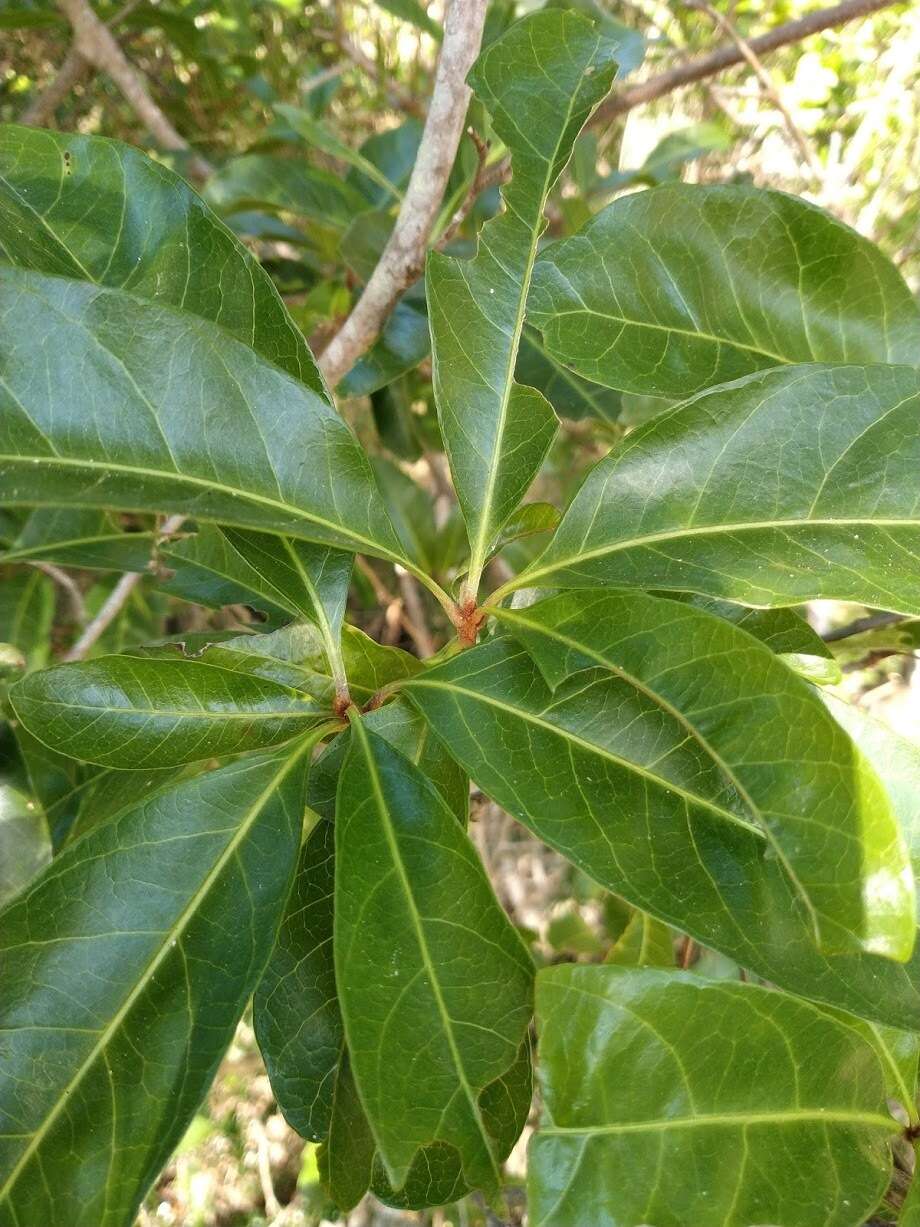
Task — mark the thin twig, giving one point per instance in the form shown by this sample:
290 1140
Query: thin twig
399 98
724 57
95 42
477 186
68 586
404 255
118 597
74 67
395 614
763 76
416 613
859 626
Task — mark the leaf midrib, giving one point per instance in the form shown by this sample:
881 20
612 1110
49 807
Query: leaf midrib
513 616
416 919
526 578
485 530
591 748
178 478
170 936
739 1120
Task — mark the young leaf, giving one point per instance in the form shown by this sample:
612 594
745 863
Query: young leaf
434 985
734 1105
645 942
99 211
708 681
676 289
560 763
134 712
786 486
540 81
124 973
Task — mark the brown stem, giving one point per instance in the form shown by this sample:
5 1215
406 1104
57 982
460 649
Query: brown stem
118 597
766 81
403 257
94 41
724 57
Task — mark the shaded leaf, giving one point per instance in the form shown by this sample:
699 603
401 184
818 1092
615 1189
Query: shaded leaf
261 180
788 1127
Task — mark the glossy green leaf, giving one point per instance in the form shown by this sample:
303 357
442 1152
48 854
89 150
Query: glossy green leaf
135 712
393 152
117 1002
75 538
434 986
555 761
403 343
99 211
698 677
295 1010
681 287
787 1127
25 845
786 486
540 81
217 433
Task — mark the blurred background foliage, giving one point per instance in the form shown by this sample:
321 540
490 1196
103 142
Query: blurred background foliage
309 117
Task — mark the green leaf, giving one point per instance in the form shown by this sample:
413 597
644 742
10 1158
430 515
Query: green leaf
434 986
681 287
74 538
559 763
27 613
789 1126
786 486
413 12
25 845
295 1009
436 1175
910 1211
569 394
540 81
645 942
259 180
118 1002
393 153
401 346
346 1160
135 712
317 134
699 677
99 211
217 433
